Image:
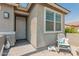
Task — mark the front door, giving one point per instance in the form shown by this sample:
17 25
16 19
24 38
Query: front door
20 28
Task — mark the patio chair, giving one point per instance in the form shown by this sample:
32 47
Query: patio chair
63 43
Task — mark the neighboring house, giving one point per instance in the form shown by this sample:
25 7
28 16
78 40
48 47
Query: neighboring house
39 23
73 24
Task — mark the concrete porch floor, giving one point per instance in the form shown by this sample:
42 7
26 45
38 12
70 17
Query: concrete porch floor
24 48
21 47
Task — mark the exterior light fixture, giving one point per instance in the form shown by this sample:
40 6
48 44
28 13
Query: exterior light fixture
6 15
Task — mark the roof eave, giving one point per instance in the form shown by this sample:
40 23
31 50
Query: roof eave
12 4
59 7
66 11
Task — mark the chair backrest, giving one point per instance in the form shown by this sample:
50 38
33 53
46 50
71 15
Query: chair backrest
60 35
62 38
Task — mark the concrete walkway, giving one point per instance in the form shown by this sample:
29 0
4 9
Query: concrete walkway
22 47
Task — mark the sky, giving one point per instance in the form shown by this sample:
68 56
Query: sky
73 16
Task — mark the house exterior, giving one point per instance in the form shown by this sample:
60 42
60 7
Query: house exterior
39 23
75 25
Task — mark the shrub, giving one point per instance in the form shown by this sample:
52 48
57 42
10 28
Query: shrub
70 30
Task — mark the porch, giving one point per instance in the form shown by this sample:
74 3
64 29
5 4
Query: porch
21 47
24 48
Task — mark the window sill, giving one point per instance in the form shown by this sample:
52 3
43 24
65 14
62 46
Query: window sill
53 31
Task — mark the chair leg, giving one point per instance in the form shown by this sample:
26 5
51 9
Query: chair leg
58 50
71 53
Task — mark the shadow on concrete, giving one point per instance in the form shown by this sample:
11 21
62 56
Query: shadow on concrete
18 43
37 50
21 42
45 48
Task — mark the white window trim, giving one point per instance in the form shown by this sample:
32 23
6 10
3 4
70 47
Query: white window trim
45 8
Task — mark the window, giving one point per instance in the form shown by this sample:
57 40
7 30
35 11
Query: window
58 22
52 21
23 5
49 21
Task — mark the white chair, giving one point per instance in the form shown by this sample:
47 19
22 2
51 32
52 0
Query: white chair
63 43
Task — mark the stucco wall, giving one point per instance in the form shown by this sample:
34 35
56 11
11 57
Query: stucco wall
44 39
2 41
32 27
35 28
6 25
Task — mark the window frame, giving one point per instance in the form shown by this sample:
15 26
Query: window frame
45 8
50 21
58 22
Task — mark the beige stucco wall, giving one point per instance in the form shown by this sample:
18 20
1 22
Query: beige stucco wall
35 26
44 39
32 27
2 41
6 25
